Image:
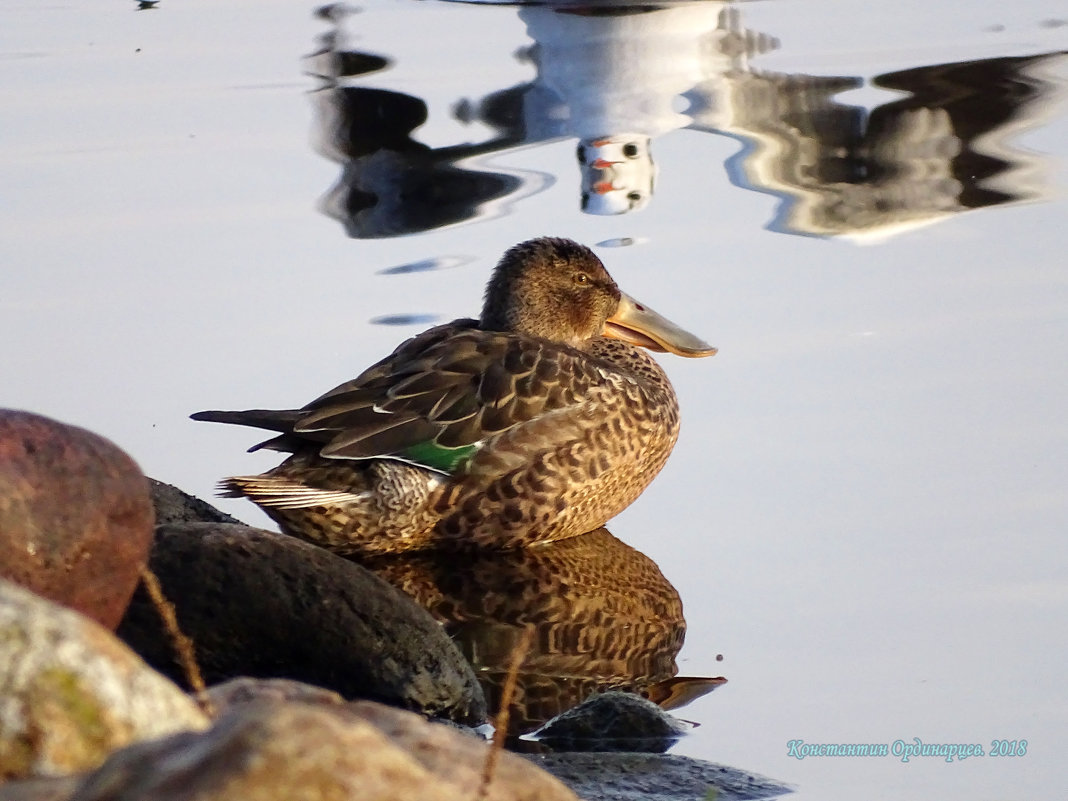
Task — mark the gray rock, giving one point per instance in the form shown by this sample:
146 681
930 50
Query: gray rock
655 777
280 751
57 788
172 505
266 605
75 517
245 690
72 693
612 721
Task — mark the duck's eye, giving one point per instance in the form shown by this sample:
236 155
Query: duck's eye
582 279
630 150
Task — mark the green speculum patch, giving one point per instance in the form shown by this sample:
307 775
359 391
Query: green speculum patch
438 457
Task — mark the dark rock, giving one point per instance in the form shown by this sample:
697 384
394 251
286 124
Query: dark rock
75 515
72 693
266 605
280 751
172 505
655 777
612 721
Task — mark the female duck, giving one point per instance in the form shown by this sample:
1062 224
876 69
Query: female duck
541 420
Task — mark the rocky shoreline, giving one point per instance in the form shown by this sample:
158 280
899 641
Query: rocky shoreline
323 679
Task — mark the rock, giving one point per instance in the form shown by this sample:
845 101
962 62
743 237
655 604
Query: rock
655 777
72 693
612 721
58 788
246 690
279 751
266 605
75 515
172 505
459 758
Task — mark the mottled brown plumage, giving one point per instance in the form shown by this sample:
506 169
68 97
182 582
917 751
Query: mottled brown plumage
540 421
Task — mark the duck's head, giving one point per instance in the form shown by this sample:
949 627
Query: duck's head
559 290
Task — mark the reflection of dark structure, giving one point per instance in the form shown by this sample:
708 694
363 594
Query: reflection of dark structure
604 617
844 171
616 75
390 184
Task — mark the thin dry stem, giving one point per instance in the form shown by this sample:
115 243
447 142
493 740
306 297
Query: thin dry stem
500 724
183 646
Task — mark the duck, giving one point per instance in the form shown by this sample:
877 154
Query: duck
540 420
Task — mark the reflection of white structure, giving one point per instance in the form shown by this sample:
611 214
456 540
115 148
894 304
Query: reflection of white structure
615 77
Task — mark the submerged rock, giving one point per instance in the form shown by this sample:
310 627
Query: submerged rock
279 751
266 605
72 693
612 721
75 515
655 777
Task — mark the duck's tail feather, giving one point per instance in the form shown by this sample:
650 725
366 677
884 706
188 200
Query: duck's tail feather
270 419
280 492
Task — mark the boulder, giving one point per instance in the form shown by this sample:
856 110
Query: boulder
75 515
279 751
72 693
266 605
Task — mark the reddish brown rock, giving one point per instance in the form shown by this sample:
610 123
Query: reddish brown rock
76 519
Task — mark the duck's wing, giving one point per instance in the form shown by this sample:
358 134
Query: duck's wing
444 394
284 421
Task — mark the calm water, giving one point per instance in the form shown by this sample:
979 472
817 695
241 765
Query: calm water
225 205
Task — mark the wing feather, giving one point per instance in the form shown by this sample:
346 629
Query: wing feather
444 395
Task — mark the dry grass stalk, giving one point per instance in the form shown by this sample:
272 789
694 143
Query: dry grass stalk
500 724
183 646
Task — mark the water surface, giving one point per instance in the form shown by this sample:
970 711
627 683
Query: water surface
862 207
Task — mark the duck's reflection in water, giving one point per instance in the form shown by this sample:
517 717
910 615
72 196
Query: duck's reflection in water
604 617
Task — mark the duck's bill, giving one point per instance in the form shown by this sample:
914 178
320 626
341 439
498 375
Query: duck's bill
637 324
